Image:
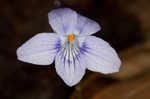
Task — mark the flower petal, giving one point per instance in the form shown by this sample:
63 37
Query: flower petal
40 49
86 26
70 70
62 20
100 56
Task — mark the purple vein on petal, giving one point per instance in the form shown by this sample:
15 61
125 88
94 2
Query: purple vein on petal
58 46
84 48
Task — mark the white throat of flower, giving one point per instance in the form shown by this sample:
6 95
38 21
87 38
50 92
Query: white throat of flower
70 48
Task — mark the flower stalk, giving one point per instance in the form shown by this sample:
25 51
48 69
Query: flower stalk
78 89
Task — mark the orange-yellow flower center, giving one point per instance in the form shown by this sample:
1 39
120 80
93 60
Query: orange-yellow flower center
71 37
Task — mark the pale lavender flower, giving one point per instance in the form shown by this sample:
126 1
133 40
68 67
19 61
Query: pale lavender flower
72 47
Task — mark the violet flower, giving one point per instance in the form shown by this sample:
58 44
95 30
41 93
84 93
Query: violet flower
72 47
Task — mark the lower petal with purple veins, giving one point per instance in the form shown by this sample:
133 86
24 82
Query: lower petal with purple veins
69 64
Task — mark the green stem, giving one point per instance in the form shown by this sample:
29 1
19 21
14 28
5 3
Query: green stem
78 90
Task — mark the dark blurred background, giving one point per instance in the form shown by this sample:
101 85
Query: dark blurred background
125 25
